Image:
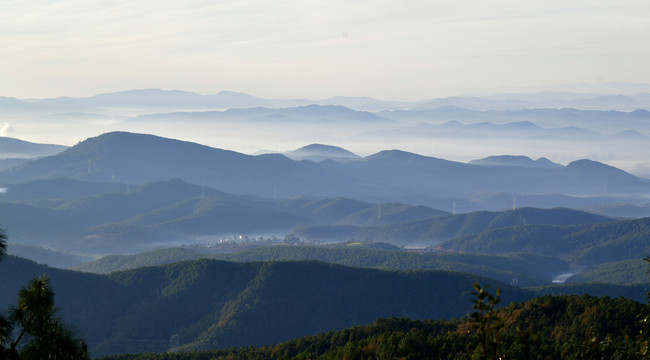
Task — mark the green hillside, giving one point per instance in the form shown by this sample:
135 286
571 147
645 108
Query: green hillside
211 303
624 272
434 230
581 244
94 218
206 304
567 327
530 270
353 212
110 263
637 292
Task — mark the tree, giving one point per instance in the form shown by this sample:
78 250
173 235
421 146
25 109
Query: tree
5 325
486 321
643 340
31 329
3 244
6 328
40 334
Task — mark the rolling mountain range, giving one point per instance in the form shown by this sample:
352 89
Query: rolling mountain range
208 304
317 114
353 238
391 175
544 117
108 191
178 212
157 98
217 304
431 231
560 126
102 217
552 125
530 270
562 326
586 244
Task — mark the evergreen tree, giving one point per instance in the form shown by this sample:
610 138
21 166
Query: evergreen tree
3 244
486 321
31 330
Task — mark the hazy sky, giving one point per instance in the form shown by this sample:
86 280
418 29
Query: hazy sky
316 49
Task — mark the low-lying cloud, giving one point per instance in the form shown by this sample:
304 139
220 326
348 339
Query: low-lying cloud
6 130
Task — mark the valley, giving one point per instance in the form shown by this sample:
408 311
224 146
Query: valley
155 243
324 180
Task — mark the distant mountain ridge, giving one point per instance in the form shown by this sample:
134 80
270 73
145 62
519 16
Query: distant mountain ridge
512 160
94 218
542 117
165 98
226 99
11 148
306 114
394 174
608 130
135 190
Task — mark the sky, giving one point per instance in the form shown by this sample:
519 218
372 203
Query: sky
402 50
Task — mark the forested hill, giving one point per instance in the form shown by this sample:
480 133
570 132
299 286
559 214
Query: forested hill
437 229
624 272
95 218
582 244
207 304
530 270
215 304
566 327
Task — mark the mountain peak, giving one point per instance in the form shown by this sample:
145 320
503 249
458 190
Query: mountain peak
319 152
321 148
514 160
394 154
586 164
595 168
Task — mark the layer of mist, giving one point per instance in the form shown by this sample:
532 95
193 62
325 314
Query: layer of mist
461 129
